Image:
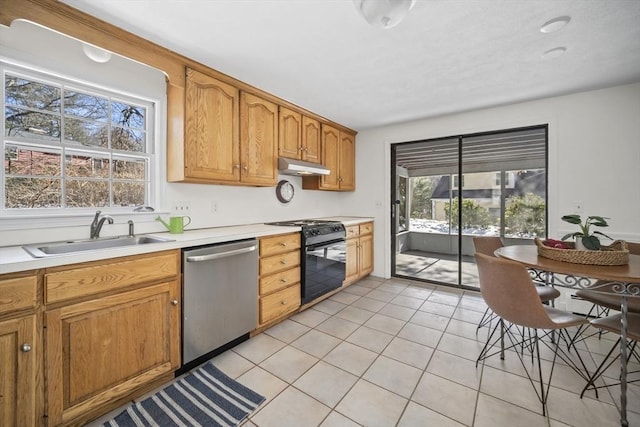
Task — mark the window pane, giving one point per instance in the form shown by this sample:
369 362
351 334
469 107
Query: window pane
87 166
128 140
31 161
128 194
525 206
81 194
32 193
128 115
402 206
67 145
26 93
131 169
32 125
430 197
86 106
86 132
480 205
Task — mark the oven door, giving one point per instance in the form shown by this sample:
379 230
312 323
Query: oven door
324 269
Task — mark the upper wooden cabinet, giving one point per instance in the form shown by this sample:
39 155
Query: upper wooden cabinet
230 137
347 162
311 142
258 140
338 154
299 136
212 144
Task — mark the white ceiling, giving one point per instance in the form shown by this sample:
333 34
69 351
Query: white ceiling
446 56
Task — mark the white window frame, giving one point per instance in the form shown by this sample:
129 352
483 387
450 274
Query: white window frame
153 108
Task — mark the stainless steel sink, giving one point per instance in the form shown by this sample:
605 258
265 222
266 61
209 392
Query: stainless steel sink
61 248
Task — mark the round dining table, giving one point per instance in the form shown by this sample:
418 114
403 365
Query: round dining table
625 278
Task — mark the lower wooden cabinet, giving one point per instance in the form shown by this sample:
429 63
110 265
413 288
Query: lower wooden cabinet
279 288
103 347
359 252
20 351
99 350
19 355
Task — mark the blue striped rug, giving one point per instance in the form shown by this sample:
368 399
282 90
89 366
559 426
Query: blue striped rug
204 397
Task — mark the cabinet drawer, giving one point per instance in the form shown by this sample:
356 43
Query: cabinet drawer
103 276
366 228
280 303
353 231
18 293
278 281
277 263
279 244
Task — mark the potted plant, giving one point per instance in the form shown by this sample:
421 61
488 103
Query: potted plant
587 239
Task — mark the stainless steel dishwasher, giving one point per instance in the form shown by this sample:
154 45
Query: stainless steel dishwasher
220 298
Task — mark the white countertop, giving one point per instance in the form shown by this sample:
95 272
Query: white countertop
15 258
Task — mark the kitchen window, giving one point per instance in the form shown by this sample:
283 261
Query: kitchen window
70 147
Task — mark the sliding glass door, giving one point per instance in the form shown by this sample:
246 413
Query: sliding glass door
452 189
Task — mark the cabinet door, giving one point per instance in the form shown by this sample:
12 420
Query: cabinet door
18 355
290 141
347 166
351 273
258 140
330 155
212 149
100 350
311 140
366 255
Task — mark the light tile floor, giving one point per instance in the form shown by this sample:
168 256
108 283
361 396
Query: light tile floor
402 353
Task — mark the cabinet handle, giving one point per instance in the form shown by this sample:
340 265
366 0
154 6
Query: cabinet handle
246 168
26 348
283 262
283 302
236 166
174 302
283 243
283 280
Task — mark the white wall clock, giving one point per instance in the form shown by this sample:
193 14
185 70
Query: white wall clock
284 191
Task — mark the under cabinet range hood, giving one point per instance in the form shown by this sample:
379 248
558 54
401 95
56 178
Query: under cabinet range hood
300 168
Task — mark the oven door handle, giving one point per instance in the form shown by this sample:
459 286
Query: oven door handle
324 244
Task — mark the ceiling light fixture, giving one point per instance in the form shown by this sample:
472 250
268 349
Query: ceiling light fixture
555 24
554 53
384 13
95 53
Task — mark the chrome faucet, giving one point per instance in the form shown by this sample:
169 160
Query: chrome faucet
97 223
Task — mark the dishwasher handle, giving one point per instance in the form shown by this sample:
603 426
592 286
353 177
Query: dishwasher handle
209 257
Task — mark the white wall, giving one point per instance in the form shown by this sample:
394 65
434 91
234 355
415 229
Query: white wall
594 158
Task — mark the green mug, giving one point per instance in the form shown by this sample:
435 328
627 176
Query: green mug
176 224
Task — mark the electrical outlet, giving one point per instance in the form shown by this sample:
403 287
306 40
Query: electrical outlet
214 207
181 208
378 204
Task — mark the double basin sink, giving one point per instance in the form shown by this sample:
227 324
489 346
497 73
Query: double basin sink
75 246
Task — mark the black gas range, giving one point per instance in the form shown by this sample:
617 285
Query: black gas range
323 256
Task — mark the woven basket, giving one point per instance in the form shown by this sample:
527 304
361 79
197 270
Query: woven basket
614 254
